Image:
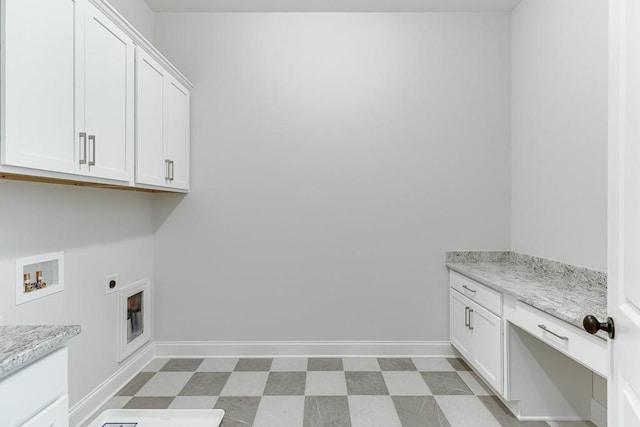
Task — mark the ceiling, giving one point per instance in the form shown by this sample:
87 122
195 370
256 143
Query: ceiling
332 5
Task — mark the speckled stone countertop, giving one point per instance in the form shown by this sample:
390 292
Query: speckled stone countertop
561 290
21 345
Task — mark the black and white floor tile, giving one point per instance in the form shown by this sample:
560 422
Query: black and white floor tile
322 392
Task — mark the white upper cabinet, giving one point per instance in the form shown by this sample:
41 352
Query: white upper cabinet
177 142
150 132
162 126
69 88
104 96
38 85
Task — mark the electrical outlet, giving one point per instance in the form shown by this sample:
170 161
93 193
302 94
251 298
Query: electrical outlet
111 283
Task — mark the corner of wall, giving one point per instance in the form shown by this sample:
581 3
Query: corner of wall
138 13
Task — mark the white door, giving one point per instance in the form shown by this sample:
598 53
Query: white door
624 213
487 345
106 97
177 133
461 333
37 118
150 86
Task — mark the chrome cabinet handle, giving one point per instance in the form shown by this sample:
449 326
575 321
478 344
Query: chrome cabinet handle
92 150
167 164
470 313
544 328
466 317
171 169
469 289
83 148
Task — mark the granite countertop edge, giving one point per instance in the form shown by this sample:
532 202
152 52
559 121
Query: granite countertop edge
22 345
460 268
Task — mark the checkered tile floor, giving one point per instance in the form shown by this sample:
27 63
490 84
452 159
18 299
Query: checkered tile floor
319 392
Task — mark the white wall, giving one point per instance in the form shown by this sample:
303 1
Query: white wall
559 130
138 13
101 232
335 157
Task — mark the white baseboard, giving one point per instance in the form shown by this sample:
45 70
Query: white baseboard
88 405
302 348
598 414
552 421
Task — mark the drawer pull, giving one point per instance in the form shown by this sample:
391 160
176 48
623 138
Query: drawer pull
469 289
544 328
466 317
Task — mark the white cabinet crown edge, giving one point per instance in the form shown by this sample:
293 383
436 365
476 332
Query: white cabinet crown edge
140 40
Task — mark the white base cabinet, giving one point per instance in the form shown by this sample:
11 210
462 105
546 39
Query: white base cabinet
528 357
37 395
477 334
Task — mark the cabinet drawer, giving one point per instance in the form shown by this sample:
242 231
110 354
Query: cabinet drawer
481 294
55 415
33 388
575 343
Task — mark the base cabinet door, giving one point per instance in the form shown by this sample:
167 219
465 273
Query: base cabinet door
477 334
37 394
105 99
461 334
487 345
38 85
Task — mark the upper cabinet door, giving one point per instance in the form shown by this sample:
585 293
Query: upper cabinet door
38 85
151 167
177 133
105 96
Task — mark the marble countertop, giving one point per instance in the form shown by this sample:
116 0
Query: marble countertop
566 292
21 345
